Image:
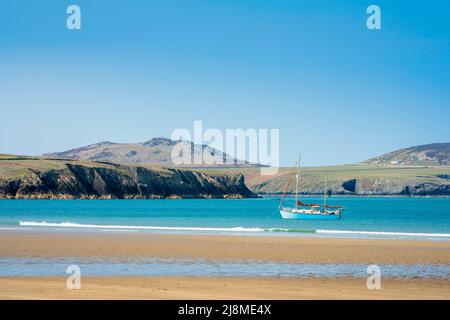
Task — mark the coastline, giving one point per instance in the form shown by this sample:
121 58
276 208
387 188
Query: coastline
352 195
14 243
209 196
186 288
110 246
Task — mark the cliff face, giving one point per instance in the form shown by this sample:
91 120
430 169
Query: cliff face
366 186
120 182
358 180
376 186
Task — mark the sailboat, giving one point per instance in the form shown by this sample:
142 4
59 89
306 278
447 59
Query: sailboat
308 211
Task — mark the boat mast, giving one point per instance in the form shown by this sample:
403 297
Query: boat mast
298 178
285 191
325 194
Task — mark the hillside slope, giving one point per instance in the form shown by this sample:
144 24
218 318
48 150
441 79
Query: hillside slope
435 154
156 151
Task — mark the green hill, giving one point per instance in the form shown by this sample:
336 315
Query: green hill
352 180
435 154
156 152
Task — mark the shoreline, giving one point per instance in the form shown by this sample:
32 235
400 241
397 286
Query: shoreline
48 227
40 244
214 197
109 247
186 288
318 195
48 196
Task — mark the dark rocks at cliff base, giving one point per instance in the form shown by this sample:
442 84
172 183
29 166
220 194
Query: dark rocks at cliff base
349 185
77 181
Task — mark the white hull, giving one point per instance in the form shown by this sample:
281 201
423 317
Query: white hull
303 211
308 214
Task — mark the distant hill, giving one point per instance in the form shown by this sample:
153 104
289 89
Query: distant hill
435 154
156 151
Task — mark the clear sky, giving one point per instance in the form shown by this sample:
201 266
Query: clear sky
338 92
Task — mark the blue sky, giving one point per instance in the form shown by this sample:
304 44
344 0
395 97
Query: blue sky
338 92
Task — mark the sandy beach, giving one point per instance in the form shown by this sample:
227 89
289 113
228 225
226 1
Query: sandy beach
270 248
220 288
224 248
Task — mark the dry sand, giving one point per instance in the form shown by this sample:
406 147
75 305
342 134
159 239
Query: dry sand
220 288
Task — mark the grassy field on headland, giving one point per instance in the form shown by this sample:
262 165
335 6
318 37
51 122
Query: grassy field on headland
41 178
347 179
355 179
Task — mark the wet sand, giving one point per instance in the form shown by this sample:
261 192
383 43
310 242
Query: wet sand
183 288
268 248
226 248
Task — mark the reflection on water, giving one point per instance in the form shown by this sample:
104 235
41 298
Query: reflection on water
185 267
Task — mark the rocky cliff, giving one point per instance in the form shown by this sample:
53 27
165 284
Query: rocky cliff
35 179
360 188
379 187
358 180
365 187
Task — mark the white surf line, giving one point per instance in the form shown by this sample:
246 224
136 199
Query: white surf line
95 226
377 233
233 229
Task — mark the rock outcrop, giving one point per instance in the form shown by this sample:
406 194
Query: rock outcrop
360 187
108 181
371 186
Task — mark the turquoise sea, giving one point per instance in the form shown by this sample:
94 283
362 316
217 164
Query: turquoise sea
393 218
363 217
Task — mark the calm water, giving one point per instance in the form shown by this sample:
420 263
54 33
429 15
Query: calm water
363 217
179 267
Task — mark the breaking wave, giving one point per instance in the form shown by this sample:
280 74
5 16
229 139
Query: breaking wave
236 229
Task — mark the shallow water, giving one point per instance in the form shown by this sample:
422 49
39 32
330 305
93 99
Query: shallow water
185 267
362 217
